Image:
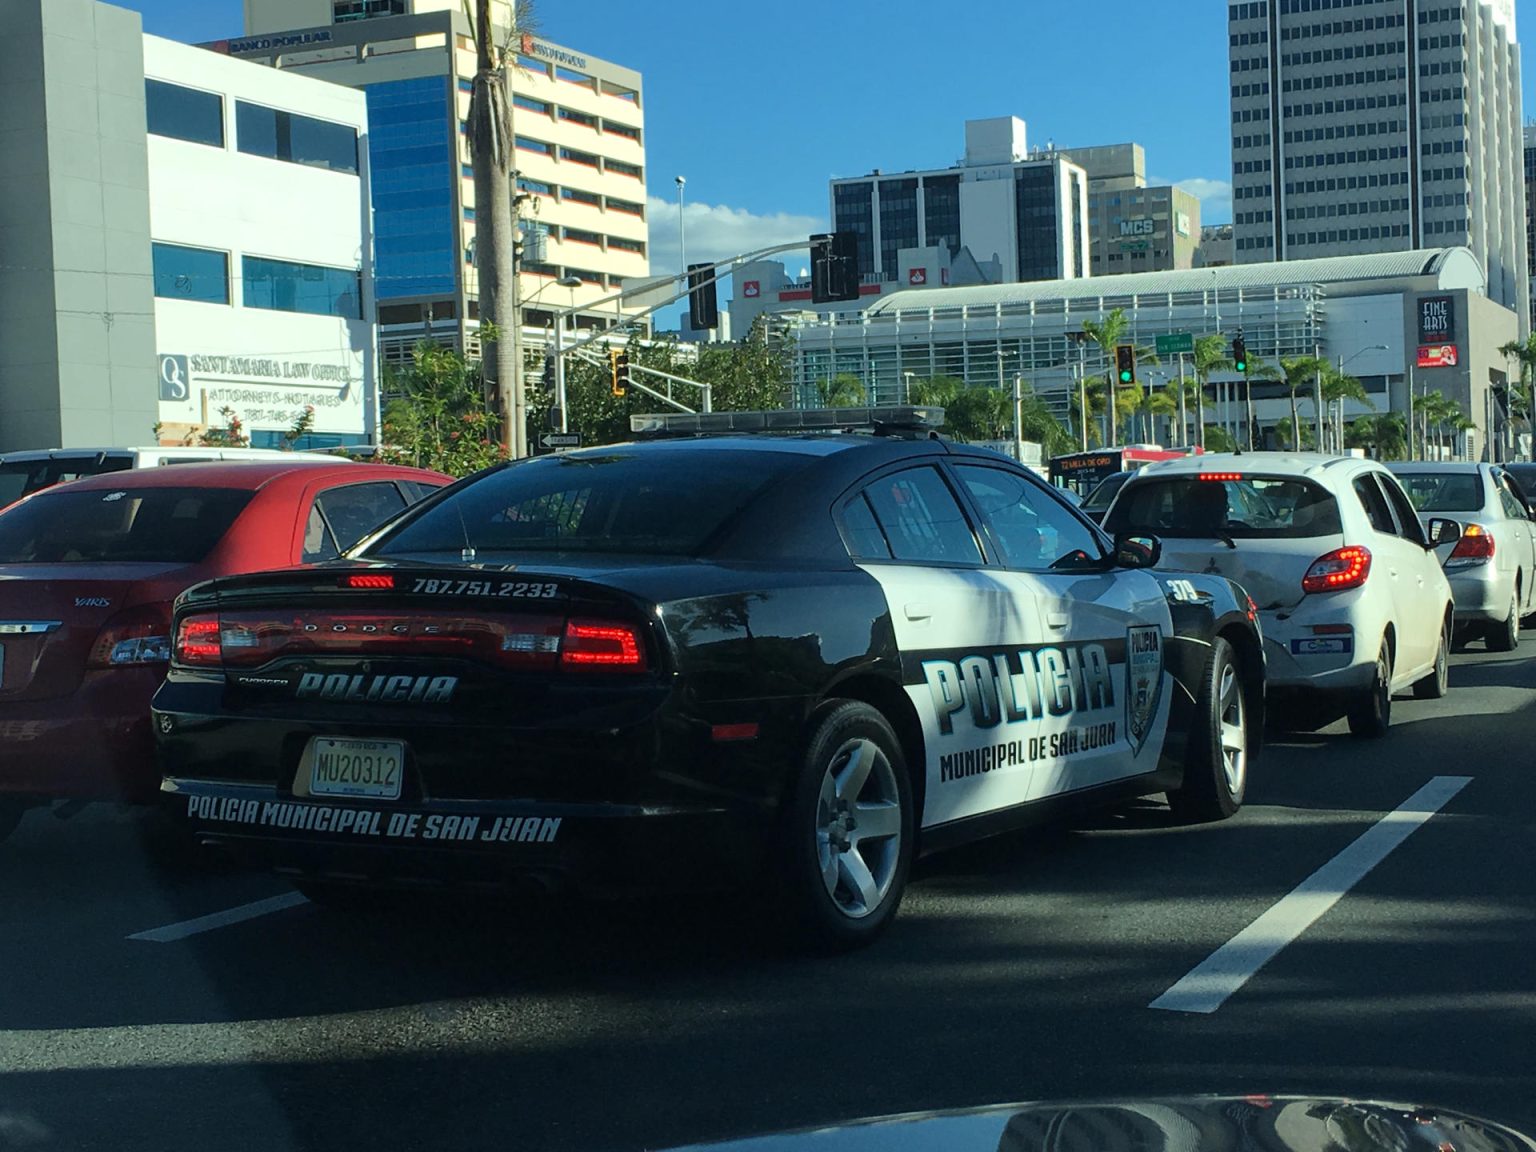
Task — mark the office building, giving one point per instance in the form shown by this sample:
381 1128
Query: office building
579 128
1134 227
1380 126
1027 213
1530 214
1215 247
1416 320
180 234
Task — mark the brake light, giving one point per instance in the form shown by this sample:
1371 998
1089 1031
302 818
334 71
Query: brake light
1221 475
1474 547
1342 568
197 641
138 636
602 644
368 580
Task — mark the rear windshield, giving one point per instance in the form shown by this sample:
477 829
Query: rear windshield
1443 491
655 503
1254 507
164 525
1102 496
20 478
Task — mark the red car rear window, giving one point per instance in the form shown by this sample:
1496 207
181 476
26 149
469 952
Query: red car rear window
164 525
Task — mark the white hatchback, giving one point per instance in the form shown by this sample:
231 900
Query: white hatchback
1351 596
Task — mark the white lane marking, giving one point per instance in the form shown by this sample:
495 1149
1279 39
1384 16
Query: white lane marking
184 928
1206 986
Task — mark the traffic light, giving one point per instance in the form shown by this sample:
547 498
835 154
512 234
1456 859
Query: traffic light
549 373
618 371
1125 363
1239 354
703 305
834 267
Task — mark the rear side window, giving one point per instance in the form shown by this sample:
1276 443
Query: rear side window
1444 491
1104 495
354 510
662 502
922 519
1253 507
1407 518
861 532
1375 505
165 525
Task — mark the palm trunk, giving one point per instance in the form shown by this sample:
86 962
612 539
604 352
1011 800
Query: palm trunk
1248 408
1295 422
490 141
1200 413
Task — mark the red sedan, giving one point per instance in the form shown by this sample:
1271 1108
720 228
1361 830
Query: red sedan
88 571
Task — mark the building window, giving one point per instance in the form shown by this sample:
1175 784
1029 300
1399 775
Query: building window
853 211
528 144
941 212
898 222
538 187
623 130
1034 198
184 113
576 157
577 196
276 135
623 245
586 276
575 117
528 104
345 11
286 286
628 206
183 273
619 168
582 236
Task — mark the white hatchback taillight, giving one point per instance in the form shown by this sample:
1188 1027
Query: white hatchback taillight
1335 571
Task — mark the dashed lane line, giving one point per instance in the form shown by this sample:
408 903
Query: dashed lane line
1208 985
170 933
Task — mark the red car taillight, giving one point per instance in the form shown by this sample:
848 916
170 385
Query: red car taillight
1474 547
197 642
602 644
1342 568
138 636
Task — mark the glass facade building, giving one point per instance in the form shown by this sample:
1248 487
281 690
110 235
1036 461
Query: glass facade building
410 154
1034 206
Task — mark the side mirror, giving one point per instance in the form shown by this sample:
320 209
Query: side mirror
1442 531
1138 551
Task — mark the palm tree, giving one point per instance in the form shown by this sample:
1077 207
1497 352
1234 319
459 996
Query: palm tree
1340 386
1522 394
1383 436
1210 356
1107 334
845 390
1301 372
1444 418
1257 370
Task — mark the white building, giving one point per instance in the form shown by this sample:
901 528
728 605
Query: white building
1382 126
179 233
261 253
1028 213
579 124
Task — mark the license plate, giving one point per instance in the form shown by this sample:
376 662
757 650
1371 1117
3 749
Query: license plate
363 768
1323 646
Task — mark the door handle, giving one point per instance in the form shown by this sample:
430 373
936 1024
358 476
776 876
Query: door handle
917 611
1055 619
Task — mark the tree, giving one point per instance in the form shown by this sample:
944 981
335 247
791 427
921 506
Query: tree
1300 373
437 416
1443 419
1218 439
303 424
1523 394
1210 355
491 150
1340 386
231 434
844 390
1257 370
1384 436
1107 334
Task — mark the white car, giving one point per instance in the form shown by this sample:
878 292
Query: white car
1351 596
1492 568
25 472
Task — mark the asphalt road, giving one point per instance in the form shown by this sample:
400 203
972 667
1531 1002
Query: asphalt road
1019 969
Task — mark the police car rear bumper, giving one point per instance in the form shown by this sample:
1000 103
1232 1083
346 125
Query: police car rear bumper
590 847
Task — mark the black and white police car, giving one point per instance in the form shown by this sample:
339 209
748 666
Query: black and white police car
716 657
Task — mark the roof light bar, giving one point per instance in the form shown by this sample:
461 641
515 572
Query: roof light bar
791 419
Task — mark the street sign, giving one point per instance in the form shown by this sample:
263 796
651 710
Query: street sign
1174 343
560 440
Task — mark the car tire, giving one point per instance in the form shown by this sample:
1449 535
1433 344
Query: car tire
1216 772
1438 682
839 887
1505 635
1370 715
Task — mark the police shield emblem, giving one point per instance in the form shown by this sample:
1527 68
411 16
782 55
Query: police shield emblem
1143 682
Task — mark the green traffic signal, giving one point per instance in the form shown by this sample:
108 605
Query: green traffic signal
1125 377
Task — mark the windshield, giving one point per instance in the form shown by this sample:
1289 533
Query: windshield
1443 491
651 503
1103 496
1254 507
20 478
164 525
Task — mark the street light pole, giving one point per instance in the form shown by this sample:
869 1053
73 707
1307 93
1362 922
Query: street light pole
682 251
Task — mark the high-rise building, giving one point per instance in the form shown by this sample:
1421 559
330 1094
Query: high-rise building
579 128
1133 227
1530 213
1378 126
1026 212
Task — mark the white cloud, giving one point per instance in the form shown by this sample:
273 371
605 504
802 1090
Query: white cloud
1215 198
718 231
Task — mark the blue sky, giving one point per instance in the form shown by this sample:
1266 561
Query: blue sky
759 104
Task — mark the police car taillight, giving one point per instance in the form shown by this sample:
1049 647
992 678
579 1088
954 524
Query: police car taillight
197 642
602 644
1338 570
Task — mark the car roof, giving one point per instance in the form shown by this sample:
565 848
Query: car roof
802 443
1309 464
154 450
242 474
1462 466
